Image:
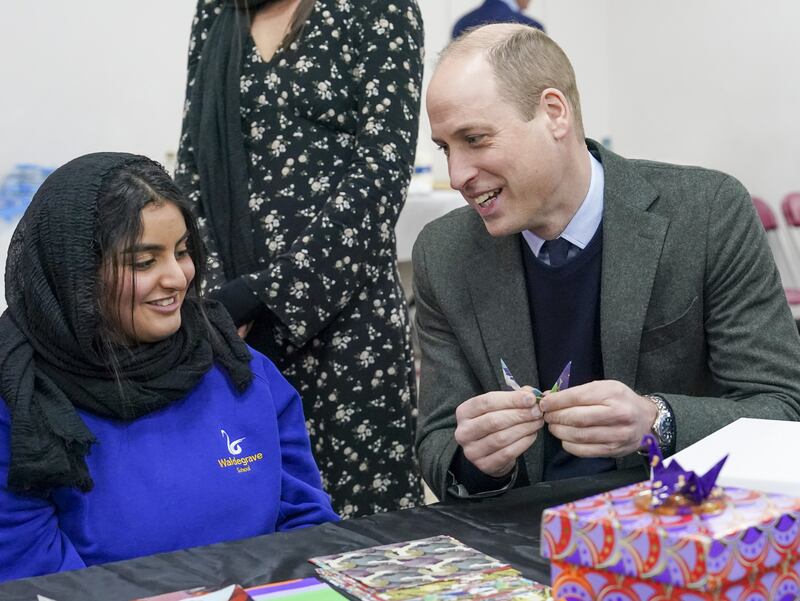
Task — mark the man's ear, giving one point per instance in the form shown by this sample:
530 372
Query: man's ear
553 104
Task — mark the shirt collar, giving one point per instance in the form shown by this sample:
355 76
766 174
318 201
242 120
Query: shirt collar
584 223
512 5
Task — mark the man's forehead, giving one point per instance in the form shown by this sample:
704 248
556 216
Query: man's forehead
458 76
462 61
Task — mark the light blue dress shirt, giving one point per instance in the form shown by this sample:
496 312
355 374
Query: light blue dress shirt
583 225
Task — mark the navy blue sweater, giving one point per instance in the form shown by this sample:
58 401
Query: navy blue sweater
565 313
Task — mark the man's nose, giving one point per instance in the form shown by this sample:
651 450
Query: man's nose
461 171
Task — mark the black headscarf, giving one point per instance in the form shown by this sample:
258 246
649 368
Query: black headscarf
215 128
50 361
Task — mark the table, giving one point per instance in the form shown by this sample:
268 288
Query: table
505 527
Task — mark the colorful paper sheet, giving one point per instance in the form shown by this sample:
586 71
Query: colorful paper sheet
305 589
439 568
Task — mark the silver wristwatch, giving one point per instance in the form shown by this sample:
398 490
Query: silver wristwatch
664 426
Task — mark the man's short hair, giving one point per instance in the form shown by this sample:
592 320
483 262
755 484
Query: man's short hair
525 62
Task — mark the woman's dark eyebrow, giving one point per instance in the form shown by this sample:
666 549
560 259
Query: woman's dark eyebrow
141 248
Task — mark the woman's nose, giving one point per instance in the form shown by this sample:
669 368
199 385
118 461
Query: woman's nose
173 275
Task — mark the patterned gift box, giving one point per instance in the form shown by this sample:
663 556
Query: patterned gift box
607 547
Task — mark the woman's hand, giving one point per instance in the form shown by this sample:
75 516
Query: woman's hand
244 329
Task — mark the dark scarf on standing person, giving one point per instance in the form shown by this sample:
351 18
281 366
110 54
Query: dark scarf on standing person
50 363
215 129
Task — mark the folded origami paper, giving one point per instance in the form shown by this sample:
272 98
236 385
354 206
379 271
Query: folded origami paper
561 383
676 490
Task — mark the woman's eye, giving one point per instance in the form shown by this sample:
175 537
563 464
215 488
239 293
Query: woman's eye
182 253
141 265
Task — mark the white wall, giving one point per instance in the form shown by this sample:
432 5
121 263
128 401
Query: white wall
90 75
710 82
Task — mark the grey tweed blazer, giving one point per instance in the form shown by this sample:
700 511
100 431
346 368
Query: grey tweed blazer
691 307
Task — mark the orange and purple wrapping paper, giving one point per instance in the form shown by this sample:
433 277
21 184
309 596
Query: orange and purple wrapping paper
606 547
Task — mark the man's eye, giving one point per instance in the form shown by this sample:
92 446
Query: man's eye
474 139
443 149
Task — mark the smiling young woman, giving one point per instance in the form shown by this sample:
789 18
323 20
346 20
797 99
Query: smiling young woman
155 275
123 388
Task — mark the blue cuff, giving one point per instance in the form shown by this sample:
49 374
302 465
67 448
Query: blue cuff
465 481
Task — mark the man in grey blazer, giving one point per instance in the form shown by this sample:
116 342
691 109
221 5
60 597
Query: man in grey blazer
655 280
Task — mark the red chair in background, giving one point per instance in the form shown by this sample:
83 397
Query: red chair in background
765 214
791 213
783 259
791 209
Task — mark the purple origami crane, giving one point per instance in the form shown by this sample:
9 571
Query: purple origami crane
561 383
674 485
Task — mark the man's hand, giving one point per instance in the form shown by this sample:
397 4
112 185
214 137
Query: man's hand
497 427
604 418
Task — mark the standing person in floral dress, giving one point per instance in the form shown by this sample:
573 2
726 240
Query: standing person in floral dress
297 148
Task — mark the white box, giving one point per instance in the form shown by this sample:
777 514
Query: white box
763 454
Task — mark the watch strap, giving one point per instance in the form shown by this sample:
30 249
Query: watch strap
663 427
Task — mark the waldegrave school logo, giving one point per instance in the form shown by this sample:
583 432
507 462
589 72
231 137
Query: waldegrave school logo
234 448
242 464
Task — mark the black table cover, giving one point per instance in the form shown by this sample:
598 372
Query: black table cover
505 527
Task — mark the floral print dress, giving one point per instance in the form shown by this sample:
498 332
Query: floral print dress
330 125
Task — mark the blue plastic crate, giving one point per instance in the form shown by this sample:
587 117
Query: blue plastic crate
18 187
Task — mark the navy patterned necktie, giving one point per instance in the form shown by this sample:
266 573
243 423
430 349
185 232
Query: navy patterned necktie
556 251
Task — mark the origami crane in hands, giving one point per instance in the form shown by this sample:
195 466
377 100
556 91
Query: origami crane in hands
561 383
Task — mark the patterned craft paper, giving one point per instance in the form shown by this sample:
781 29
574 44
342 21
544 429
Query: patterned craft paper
432 569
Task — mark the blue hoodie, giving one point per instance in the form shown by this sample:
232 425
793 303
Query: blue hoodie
212 467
